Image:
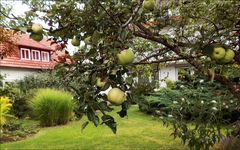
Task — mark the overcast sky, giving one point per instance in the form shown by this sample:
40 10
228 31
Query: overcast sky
18 9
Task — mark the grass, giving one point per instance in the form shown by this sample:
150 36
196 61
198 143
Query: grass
138 131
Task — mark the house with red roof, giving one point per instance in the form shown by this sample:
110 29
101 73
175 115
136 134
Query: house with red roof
29 57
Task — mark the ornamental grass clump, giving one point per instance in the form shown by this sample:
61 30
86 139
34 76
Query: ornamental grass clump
52 107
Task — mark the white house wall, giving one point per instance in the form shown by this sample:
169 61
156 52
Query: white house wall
170 73
11 74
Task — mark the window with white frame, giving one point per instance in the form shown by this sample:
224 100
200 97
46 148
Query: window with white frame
25 54
36 55
45 56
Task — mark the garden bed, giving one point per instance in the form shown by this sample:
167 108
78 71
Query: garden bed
18 129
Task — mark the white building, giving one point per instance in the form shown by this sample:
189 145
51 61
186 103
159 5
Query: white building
28 57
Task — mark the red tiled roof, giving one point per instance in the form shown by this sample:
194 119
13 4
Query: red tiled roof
24 40
18 63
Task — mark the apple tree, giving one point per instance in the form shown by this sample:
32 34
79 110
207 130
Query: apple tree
199 31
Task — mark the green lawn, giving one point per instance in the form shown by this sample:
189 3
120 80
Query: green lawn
138 131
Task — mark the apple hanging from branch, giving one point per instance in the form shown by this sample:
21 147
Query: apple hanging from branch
36 37
75 42
125 57
149 5
116 96
218 53
229 56
37 28
36 32
100 82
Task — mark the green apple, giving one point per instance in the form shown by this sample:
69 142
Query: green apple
37 28
116 96
228 56
134 2
75 42
105 62
218 53
125 57
149 5
36 37
100 82
87 40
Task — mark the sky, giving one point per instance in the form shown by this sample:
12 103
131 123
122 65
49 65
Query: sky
18 9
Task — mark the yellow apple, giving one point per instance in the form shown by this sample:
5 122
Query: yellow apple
228 56
75 42
100 82
36 37
37 28
218 53
116 96
125 57
149 5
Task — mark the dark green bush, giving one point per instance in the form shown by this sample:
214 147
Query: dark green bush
141 88
20 91
159 103
52 107
197 111
187 102
41 80
170 84
18 99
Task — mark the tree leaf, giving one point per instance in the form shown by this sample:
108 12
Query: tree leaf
96 120
92 116
23 29
109 121
129 80
84 125
103 105
106 86
123 112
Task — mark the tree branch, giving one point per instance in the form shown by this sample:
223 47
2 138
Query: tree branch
208 20
134 13
161 52
5 15
144 29
168 59
108 13
229 84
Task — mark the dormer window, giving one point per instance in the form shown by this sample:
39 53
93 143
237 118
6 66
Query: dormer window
36 55
45 56
25 54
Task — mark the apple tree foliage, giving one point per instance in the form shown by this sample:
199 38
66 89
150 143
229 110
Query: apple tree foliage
171 31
